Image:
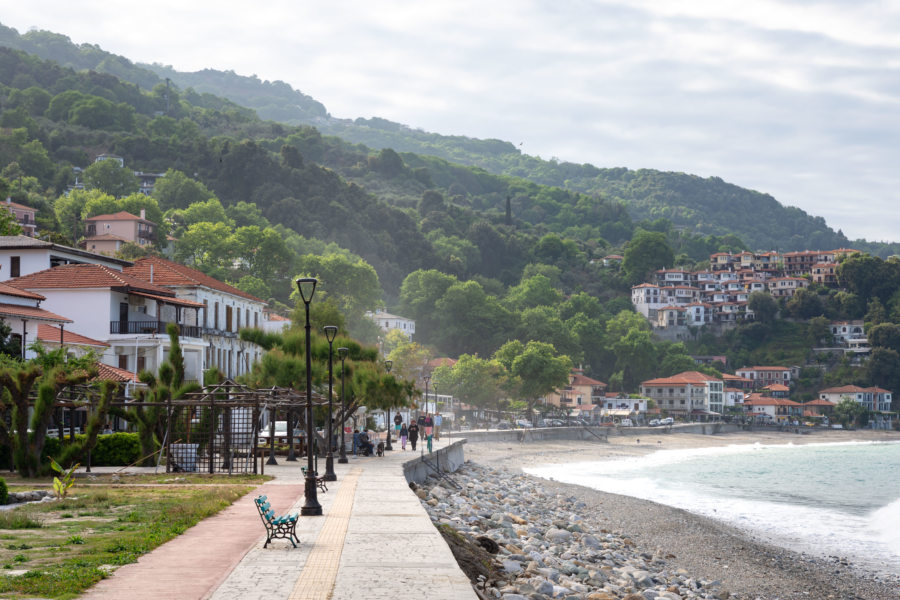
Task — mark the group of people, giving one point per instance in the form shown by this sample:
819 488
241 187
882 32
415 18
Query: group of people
426 426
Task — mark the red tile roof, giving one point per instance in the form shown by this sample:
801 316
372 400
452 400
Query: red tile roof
757 400
687 377
763 369
31 312
11 291
119 216
853 389
584 380
49 333
114 373
171 274
777 387
85 276
818 402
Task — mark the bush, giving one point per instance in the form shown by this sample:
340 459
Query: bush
4 491
116 450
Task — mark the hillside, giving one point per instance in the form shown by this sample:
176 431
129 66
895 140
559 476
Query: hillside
706 206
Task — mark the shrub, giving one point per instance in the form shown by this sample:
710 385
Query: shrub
116 450
4 491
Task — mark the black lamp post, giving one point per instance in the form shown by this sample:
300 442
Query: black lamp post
307 287
427 378
342 352
330 333
387 366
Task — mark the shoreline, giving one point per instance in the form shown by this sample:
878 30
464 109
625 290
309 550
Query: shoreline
746 565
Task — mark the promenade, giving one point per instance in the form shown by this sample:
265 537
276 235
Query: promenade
374 541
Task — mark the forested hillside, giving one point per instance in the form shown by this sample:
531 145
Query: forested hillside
704 206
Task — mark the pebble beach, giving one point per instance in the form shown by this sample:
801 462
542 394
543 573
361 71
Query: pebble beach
554 540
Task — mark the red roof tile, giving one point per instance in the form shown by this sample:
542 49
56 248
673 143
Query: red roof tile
49 333
11 291
119 216
85 276
585 380
105 371
171 274
30 312
687 377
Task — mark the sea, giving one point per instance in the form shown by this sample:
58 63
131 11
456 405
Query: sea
828 500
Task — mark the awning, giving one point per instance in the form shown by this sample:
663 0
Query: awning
169 300
618 412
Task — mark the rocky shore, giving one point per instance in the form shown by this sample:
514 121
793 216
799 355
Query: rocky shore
548 540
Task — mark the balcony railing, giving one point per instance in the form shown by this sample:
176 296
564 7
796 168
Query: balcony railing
133 327
146 234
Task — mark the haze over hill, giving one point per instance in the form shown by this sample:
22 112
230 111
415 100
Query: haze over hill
794 102
702 205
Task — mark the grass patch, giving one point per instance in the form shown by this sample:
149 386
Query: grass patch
99 526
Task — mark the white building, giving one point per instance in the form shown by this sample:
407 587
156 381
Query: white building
129 314
386 321
225 311
21 310
22 255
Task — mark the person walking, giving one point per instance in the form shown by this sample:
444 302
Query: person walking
404 433
355 441
398 421
413 434
438 419
429 425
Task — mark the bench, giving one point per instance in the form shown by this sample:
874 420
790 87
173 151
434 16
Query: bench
320 480
276 527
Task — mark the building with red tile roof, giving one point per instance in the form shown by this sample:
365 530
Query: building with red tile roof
873 398
124 225
225 310
684 393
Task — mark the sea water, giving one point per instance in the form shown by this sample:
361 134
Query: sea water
831 500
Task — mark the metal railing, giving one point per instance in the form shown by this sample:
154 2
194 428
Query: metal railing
134 327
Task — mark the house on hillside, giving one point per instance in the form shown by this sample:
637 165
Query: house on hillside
225 310
580 390
127 313
874 398
105 234
387 322
763 376
777 410
24 216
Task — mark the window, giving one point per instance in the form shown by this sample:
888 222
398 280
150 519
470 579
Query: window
206 313
123 361
228 310
256 319
216 315
238 320
14 266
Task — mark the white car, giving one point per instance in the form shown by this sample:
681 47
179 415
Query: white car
626 423
667 421
523 423
654 423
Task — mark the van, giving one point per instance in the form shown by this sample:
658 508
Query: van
626 423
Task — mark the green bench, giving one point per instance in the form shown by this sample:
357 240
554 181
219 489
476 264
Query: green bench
276 527
320 480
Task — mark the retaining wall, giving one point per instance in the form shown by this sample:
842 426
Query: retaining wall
444 460
596 434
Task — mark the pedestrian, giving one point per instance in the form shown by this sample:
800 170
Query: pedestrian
413 434
421 423
438 420
429 438
355 441
404 433
398 422
429 425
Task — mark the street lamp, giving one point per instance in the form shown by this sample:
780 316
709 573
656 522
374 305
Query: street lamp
387 365
427 378
307 287
330 334
342 352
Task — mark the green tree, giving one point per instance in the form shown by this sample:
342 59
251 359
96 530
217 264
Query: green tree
419 293
848 411
536 367
763 305
470 320
177 190
205 246
531 292
111 178
475 381
646 252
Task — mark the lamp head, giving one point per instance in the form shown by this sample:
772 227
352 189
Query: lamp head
330 332
388 364
342 352
307 287
427 378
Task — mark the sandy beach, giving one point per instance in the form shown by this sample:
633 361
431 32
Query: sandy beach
748 567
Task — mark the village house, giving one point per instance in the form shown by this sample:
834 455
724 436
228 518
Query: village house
687 394
24 216
225 310
386 321
763 376
581 390
22 255
874 398
767 408
21 311
127 313
105 234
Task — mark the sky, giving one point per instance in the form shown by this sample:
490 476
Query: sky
797 99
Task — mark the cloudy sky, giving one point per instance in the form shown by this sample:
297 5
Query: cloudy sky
798 99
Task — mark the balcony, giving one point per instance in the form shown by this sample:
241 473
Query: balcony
147 327
146 234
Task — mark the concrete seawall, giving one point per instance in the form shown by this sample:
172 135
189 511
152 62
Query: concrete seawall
443 460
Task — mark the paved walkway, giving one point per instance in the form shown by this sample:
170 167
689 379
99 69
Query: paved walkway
374 541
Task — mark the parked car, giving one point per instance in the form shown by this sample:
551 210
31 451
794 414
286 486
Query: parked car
626 423
523 423
503 425
667 421
654 423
